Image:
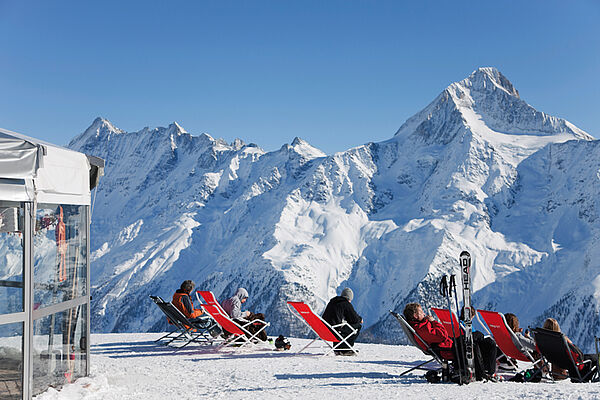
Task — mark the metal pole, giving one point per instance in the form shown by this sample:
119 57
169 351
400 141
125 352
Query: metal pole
28 226
87 292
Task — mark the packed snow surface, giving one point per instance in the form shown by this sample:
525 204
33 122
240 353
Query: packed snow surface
132 366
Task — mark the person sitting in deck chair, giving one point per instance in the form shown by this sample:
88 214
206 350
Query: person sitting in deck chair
432 331
183 302
233 307
340 309
558 373
525 339
437 337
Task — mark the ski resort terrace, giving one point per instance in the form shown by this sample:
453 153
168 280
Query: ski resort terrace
133 366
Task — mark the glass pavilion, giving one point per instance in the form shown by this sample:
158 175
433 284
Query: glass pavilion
44 264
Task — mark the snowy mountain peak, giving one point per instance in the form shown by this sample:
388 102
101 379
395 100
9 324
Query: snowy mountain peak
486 78
176 128
237 144
305 149
486 103
101 129
101 126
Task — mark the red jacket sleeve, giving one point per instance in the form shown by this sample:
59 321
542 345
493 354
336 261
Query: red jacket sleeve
432 332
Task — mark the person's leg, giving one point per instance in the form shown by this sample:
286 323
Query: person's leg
588 367
255 326
352 338
345 331
488 349
258 325
249 328
202 322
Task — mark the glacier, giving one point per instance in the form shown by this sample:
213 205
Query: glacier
477 169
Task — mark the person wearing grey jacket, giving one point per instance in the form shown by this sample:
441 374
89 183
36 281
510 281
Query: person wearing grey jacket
233 307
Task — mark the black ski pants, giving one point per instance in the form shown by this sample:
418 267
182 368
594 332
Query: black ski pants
344 331
484 354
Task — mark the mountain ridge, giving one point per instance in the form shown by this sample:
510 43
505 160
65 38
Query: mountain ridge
386 219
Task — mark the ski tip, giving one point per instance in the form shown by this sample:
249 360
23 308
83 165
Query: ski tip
465 253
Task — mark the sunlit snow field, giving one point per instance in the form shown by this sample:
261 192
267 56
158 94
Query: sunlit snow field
132 366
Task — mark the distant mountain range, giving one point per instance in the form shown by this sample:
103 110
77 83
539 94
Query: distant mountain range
478 169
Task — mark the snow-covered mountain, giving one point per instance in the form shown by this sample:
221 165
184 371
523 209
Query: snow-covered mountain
477 169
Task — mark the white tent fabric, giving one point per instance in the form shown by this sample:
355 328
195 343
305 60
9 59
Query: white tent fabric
31 170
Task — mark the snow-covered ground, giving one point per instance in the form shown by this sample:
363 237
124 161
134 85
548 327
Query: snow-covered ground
132 366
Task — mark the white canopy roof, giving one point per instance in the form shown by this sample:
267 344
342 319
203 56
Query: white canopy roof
31 170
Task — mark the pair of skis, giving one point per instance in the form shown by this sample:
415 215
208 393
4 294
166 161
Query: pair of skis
463 349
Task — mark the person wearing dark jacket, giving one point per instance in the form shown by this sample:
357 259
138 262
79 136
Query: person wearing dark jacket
338 310
183 302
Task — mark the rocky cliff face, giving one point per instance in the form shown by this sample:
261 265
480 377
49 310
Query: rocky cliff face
478 169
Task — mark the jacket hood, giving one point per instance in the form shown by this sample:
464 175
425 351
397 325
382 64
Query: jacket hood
241 294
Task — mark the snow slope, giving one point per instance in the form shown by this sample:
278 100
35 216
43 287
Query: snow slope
132 366
477 169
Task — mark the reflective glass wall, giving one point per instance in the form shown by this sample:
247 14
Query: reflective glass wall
44 301
11 258
59 280
11 300
59 348
59 254
11 361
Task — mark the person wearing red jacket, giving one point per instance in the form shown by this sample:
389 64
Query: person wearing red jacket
434 333
429 330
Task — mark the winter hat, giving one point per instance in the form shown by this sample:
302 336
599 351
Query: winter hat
242 293
348 293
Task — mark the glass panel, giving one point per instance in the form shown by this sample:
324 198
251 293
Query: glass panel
11 361
11 258
59 253
59 348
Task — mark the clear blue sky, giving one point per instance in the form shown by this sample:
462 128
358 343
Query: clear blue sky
336 73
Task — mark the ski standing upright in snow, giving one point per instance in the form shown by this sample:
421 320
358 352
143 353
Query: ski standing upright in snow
465 267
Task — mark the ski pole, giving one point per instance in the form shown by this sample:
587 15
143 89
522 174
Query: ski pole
445 291
458 339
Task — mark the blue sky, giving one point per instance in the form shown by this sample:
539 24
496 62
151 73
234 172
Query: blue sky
336 73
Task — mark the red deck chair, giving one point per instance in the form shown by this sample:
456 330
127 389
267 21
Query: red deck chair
445 318
506 339
320 327
209 298
239 333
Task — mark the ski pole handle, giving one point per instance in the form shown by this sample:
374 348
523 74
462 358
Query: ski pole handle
452 285
444 286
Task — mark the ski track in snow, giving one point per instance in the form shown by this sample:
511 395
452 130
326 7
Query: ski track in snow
132 366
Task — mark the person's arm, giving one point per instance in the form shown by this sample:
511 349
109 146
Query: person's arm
189 307
236 308
433 332
350 315
526 341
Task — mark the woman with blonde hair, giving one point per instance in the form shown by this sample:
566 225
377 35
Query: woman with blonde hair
558 373
552 325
